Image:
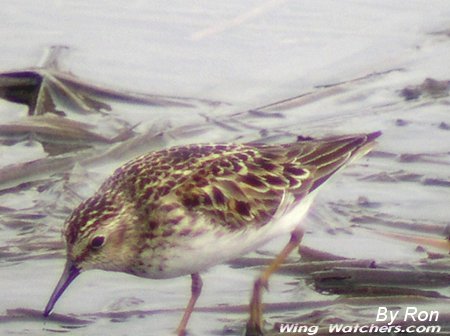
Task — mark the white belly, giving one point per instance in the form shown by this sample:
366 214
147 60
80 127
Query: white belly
197 254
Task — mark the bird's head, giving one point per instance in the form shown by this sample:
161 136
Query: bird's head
100 234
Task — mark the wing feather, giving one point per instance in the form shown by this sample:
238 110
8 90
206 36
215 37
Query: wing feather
246 185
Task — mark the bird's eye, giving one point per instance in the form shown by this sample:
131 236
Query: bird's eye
97 242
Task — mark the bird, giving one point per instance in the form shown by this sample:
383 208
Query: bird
181 210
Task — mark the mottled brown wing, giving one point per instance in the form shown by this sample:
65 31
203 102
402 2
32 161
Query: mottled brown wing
245 186
329 155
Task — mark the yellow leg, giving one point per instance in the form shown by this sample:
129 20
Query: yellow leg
254 324
196 289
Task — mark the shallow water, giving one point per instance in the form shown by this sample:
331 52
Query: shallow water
231 71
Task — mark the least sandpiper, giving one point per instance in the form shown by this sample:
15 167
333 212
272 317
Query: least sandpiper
181 210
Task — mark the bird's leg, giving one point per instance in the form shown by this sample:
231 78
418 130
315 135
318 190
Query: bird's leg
254 324
196 289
